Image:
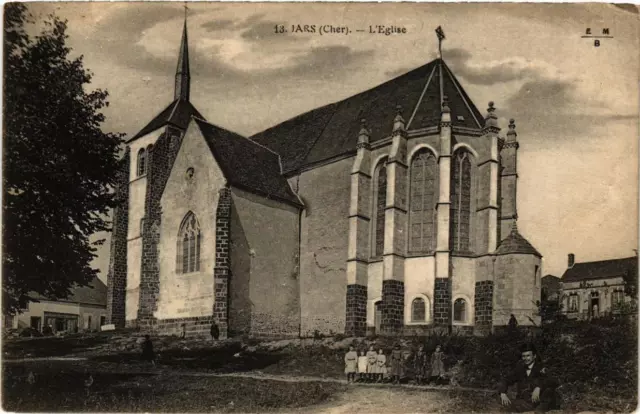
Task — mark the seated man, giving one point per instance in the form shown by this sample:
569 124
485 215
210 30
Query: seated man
535 390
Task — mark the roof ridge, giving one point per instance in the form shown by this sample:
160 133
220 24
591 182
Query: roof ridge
424 90
462 95
607 260
344 99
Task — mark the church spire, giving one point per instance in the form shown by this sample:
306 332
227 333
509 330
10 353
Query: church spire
183 77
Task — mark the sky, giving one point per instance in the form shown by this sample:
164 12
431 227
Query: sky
575 105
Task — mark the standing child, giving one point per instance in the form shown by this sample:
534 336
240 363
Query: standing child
362 366
372 357
351 364
397 360
420 364
437 365
381 365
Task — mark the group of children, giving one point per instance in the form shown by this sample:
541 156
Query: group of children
372 366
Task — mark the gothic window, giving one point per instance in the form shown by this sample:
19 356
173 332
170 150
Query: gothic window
380 205
461 202
418 310
460 310
188 254
142 162
422 205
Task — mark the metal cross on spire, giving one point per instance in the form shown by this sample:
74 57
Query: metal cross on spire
441 37
185 11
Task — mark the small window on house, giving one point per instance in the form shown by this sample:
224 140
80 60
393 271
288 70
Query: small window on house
535 276
142 162
418 310
103 320
460 118
460 310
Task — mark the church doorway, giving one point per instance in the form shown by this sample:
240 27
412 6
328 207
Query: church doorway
378 316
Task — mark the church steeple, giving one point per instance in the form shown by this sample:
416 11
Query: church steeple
183 77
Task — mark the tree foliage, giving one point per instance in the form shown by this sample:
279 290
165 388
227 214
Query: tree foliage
59 167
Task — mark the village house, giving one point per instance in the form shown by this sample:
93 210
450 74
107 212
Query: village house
84 310
390 212
593 289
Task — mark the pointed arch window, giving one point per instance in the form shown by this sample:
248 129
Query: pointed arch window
461 202
142 162
380 200
422 205
188 251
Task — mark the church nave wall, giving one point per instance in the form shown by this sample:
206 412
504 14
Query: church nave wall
326 194
264 282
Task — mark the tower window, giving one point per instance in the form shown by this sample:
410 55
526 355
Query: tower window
142 162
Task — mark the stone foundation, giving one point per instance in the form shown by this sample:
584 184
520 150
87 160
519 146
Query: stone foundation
483 307
221 272
442 302
117 275
356 313
392 307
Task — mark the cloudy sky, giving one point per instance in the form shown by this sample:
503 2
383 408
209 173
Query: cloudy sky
575 105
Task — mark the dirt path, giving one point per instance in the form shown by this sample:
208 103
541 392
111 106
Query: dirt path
290 378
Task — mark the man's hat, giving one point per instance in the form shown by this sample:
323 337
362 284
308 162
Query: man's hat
528 347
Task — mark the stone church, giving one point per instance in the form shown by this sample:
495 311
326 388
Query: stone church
390 212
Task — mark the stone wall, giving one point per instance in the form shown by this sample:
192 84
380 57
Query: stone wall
221 270
159 169
117 275
483 306
270 229
326 194
392 307
356 322
193 187
442 302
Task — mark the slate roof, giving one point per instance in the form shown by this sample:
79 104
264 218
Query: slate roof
332 130
602 269
246 164
514 243
178 113
93 294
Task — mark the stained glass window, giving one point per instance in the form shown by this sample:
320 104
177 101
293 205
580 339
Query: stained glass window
381 203
461 202
422 205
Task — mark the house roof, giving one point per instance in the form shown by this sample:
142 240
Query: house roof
247 164
178 114
602 269
332 130
514 243
93 294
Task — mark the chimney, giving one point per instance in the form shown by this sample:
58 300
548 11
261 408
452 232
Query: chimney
572 260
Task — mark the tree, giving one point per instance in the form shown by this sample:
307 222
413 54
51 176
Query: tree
59 167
